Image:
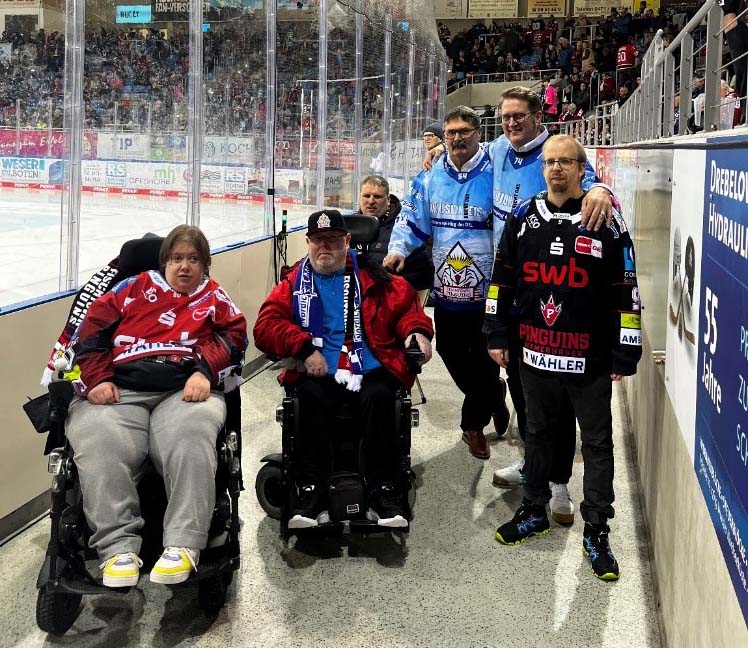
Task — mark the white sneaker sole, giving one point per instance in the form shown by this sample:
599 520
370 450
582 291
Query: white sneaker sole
299 522
120 581
170 579
505 483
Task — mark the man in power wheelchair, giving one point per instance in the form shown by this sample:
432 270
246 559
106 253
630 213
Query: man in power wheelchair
345 324
152 359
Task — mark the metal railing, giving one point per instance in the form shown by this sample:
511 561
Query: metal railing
505 77
651 113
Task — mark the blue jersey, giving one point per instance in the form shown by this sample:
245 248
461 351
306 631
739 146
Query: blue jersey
455 209
518 177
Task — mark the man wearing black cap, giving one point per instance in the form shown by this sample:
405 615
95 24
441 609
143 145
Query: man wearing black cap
433 135
347 324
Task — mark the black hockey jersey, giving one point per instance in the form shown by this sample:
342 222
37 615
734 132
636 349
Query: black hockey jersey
572 291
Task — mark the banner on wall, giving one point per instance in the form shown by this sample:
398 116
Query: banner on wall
721 442
684 292
546 7
600 7
492 8
450 9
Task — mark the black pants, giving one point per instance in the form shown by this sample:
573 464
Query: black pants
319 402
590 398
564 439
462 347
737 42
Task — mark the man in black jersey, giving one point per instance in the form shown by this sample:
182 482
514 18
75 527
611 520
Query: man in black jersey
577 301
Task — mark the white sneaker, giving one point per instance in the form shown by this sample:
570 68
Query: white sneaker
175 565
562 506
511 476
121 570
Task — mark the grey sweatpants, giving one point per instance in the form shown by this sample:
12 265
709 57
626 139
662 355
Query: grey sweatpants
112 444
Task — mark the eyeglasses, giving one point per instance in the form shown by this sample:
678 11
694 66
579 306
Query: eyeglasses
464 133
176 259
519 118
564 163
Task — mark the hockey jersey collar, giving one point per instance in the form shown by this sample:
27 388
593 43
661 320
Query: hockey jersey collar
473 167
571 210
532 145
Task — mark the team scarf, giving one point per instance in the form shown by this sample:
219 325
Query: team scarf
307 309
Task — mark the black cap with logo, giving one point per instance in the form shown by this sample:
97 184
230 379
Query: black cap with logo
327 220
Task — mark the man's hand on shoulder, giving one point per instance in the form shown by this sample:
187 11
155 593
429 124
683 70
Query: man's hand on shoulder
316 365
597 209
432 155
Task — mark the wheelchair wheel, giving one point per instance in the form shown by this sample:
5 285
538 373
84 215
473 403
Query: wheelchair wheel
211 593
56 612
269 490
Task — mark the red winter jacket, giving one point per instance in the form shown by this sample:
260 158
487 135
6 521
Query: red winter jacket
390 313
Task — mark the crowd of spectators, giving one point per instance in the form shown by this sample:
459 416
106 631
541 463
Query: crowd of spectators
137 79
581 62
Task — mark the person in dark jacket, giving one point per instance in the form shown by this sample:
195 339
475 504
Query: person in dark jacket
575 294
342 351
376 200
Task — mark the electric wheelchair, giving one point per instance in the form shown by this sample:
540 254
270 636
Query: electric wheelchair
64 577
346 494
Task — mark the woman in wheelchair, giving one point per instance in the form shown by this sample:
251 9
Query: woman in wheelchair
153 353
346 323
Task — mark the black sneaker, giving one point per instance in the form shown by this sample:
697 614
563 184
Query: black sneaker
386 503
306 507
529 520
597 549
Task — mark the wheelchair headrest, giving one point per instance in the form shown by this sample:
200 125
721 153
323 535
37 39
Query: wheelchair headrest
139 255
363 229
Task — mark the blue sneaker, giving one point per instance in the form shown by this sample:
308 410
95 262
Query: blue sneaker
529 520
597 548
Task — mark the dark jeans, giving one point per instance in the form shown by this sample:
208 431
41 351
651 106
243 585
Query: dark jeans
590 398
462 347
737 42
319 402
564 439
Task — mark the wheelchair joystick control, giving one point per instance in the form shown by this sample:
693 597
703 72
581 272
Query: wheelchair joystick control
414 356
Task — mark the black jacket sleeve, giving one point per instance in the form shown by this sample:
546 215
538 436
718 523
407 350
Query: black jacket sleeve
502 288
625 316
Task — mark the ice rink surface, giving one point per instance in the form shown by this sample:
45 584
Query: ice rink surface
30 232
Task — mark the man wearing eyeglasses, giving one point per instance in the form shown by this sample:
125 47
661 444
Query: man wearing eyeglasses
453 206
575 295
518 176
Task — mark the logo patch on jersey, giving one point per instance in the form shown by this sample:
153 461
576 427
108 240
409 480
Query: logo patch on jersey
550 310
557 247
632 337
635 299
150 294
491 306
201 313
631 320
549 362
589 246
168 318
461 278
532 221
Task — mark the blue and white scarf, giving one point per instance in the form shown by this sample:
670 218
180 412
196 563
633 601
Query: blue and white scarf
307 310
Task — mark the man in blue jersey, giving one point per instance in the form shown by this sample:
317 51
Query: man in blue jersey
518 176
453 205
